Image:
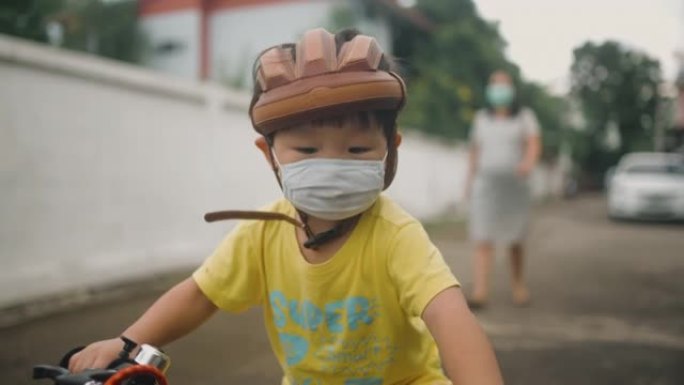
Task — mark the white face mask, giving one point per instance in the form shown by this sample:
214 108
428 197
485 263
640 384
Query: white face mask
333 189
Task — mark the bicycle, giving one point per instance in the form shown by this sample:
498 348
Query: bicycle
147 368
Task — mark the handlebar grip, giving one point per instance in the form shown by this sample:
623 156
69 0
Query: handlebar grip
48 371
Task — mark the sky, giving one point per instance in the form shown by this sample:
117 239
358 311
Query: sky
541 34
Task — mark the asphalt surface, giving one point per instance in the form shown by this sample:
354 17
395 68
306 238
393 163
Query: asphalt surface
607 308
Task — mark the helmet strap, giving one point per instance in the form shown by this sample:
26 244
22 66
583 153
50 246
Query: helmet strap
314 241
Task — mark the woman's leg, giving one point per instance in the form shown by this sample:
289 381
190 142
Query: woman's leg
482 264
521 295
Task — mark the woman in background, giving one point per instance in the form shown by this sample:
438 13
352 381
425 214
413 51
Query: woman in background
505 147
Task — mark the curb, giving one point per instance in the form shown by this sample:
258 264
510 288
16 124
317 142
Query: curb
73 299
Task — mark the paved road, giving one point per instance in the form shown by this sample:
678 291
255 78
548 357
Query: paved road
608 308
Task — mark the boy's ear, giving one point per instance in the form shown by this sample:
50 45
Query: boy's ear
263 146
397 139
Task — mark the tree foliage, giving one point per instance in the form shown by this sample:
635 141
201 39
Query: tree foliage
448 68
27 18
615 86
108 29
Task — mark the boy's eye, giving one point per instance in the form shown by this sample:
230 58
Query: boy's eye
358 150
306 150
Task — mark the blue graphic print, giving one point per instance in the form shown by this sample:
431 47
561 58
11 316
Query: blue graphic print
355 356
309 317
295 348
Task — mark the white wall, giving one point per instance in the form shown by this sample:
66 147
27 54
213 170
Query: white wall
106 171
430 176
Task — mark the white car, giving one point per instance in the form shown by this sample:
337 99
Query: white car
647 185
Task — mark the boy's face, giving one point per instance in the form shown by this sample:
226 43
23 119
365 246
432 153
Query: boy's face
348 138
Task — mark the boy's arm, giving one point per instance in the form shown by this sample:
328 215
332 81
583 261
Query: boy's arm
466 353
179 311
175 314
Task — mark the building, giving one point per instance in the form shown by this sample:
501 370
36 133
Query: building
219 39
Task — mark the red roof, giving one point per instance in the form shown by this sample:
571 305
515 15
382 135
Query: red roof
155 7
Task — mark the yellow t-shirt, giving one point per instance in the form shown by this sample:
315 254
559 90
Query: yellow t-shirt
353 320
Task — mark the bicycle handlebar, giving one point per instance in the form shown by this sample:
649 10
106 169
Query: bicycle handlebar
140 374
147 368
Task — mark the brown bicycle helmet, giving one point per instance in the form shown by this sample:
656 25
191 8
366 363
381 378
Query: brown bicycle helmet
322 76
326 75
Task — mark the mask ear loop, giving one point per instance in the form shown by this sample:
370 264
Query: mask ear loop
275 164
313 240
276 167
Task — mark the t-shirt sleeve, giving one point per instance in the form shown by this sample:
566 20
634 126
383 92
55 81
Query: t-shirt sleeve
530 123
231 276
417 269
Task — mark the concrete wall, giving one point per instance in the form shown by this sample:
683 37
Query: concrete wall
106 171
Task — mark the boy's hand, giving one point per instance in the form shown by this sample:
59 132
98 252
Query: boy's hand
96 355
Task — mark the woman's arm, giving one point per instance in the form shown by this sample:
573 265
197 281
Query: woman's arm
531 155
176 313
466 353
473 154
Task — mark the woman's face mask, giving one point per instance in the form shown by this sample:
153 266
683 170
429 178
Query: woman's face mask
333 189
500 95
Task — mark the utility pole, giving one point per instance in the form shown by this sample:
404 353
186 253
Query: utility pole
679 103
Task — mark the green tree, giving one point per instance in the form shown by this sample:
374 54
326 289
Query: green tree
108 29
447 70
449 67
27 18
551 112
615 86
